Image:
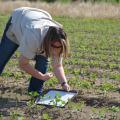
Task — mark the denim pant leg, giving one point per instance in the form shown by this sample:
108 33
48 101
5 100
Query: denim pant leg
41 65
7 48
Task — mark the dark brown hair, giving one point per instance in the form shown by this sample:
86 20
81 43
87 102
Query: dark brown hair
55 34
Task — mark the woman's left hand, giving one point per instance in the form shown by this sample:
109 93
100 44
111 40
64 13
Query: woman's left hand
66 87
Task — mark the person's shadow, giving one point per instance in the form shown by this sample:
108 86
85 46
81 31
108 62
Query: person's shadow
7 103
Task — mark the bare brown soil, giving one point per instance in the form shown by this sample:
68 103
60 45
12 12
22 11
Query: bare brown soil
87 105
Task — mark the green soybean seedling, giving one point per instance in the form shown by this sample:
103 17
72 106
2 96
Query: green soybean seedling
57 100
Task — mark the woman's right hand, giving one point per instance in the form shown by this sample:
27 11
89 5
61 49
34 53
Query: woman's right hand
47 76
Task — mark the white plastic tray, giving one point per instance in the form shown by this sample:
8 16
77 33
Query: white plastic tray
56 97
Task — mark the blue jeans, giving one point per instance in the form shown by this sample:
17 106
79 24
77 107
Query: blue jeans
41 65
7 49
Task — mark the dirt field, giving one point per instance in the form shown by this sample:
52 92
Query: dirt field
89 104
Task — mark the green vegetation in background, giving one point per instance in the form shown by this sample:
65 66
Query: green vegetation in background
93 1
62 1
95 51
3 20
107 1
68 1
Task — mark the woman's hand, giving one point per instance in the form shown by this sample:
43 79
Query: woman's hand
47 76
66 87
